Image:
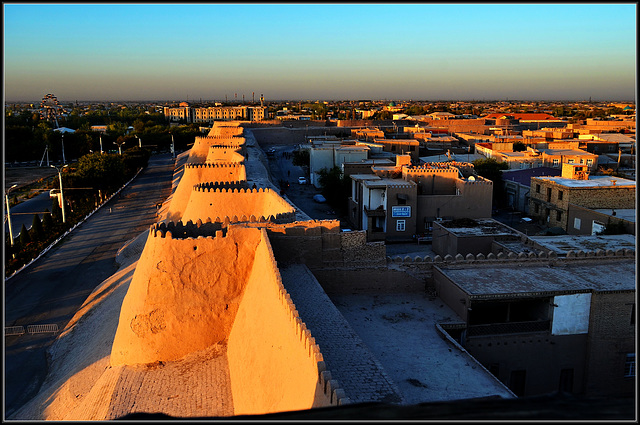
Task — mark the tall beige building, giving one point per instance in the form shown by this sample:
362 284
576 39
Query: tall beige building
215 113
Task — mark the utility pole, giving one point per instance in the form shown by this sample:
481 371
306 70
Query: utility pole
61 195
64 161
9 215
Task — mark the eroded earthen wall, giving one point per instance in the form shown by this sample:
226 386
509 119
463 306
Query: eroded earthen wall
273 361
207 203
183 296
194 174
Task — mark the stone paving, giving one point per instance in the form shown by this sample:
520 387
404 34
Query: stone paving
346 356
198 386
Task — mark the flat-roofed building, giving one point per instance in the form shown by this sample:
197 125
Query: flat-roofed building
328 154
556 157
517 185
546 326
550 197
401 202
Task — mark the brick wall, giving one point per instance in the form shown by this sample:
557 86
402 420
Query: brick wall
611 337
588 216
590 197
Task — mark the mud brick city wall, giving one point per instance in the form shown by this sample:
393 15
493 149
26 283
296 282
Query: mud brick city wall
611 338
274 363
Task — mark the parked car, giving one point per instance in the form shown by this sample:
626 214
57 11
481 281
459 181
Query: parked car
302 180
319 198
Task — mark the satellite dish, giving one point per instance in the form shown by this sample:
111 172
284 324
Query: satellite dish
472 179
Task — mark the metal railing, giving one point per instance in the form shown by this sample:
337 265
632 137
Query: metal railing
13 330
31 329
40 329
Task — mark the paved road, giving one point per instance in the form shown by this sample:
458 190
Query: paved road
52 289
301 195
23 212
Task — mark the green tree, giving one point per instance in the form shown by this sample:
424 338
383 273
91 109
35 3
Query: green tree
56 212
491 169
101 171
335 187
47 221
301 158
519 146
36 233
25 239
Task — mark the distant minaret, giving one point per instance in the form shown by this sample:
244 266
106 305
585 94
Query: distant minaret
262 100
253 97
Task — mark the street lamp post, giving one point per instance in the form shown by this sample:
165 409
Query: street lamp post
139 142
101 144
61 195
173 148
9 214
64 161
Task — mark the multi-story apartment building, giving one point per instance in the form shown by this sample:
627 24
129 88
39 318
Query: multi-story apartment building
552 197
215 113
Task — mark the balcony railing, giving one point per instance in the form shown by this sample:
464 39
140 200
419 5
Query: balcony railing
378 212
509 328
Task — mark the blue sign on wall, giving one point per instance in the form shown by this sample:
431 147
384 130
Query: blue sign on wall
400 211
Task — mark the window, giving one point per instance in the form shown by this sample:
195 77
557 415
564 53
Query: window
556 162
517 382
566 381
536 207
558 215
537 188
400 224
589 162
560 195
576 223
630 366
548 194
570 161
494 369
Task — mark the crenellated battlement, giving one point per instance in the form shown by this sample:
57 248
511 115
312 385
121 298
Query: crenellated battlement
214 165
225 149
226 184
476 182
235 141
190 230
240 187
512 257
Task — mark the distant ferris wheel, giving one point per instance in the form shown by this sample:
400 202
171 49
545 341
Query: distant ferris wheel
50 109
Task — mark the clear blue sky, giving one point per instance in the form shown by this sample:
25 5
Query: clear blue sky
320 51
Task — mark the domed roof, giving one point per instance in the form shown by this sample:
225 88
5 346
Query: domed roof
392 103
